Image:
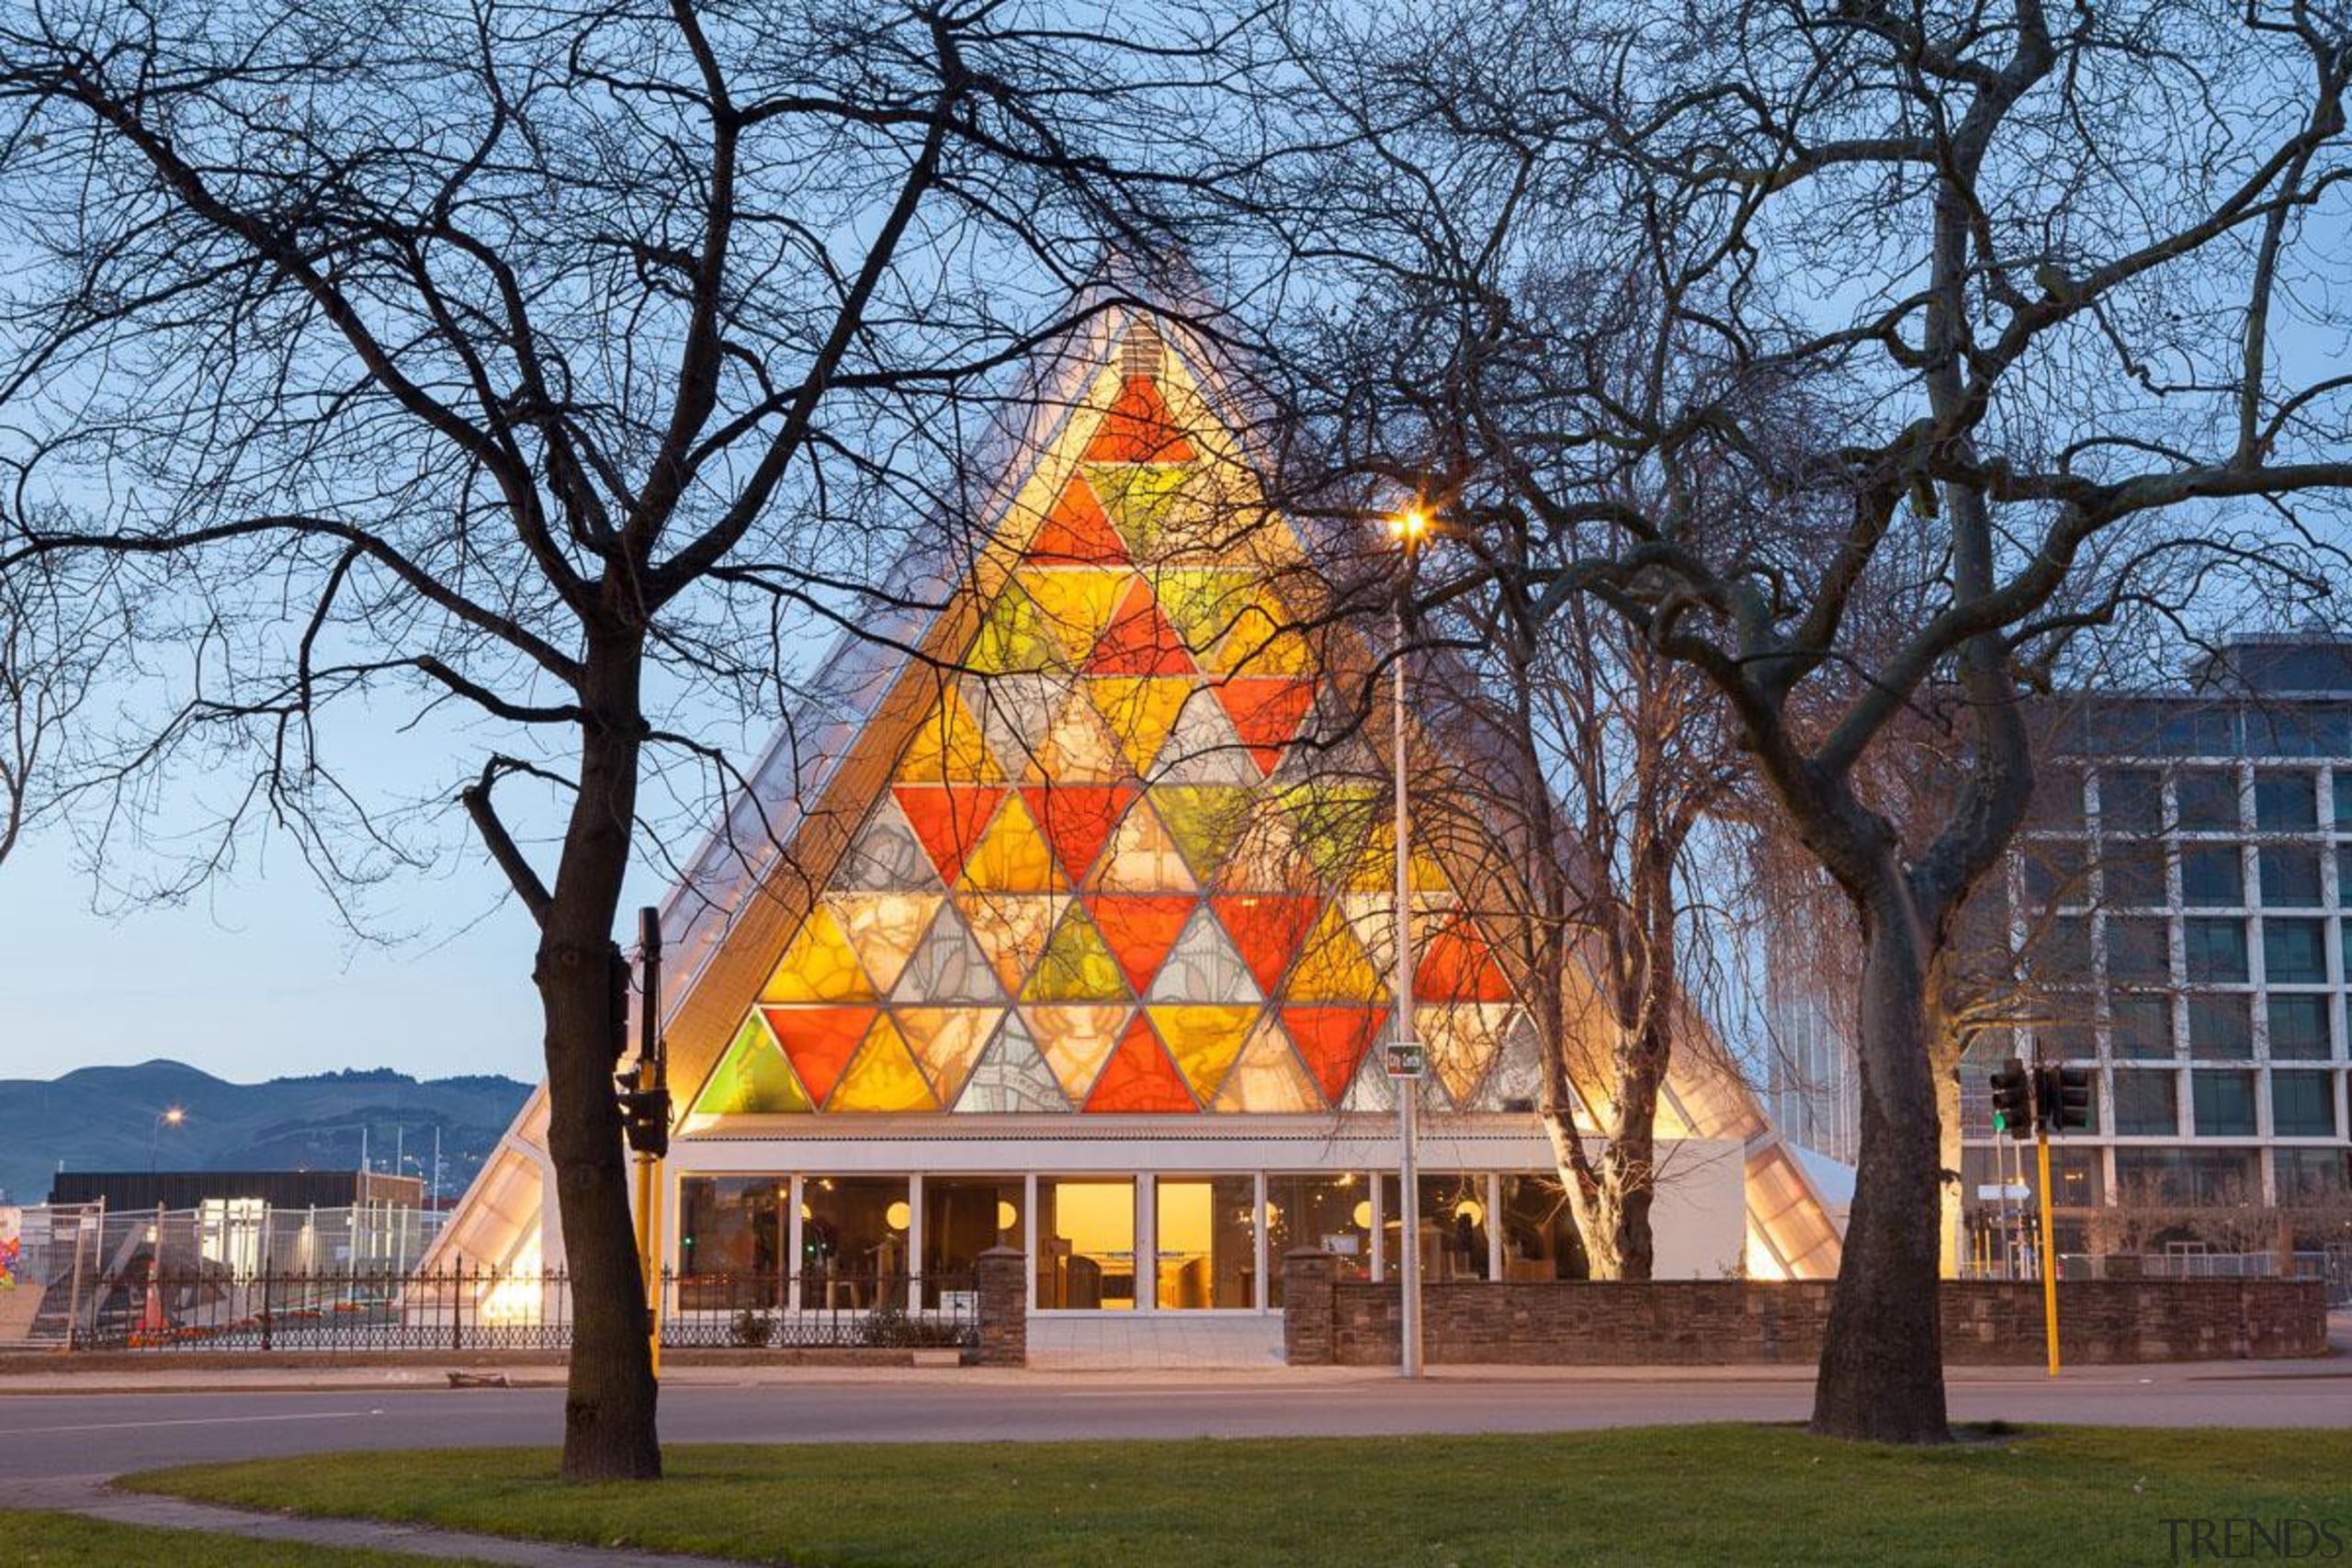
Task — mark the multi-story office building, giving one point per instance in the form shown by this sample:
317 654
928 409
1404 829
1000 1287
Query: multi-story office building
2181 910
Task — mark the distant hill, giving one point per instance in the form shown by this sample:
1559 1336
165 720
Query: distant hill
103 1119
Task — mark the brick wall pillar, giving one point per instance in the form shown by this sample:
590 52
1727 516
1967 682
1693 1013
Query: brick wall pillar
1308 1332
1004 1287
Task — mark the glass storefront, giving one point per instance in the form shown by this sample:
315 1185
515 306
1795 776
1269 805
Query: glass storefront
1454 1227
1540 1240
852 1242
1086 1244
964 1216
1333 1212
1206 1239
731 1241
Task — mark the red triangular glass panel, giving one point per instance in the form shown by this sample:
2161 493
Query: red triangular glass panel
1078 820
1078 533
1267 928
1139 929
949 819
1140 1078
1332 1041
1139 429
1458 966
820 1041
1266 711
1139 640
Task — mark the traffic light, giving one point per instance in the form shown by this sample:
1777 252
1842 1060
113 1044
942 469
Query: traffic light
2013 1100
645 1111
2066 1097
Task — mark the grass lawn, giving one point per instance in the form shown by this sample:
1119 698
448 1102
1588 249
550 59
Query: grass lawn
62 1540
1748 1495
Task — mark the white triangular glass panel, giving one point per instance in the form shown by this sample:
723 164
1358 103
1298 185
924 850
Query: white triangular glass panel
1010 1077
1204 966
1517 1077
1371 1089
1202 746
1017 711
885 856
947 966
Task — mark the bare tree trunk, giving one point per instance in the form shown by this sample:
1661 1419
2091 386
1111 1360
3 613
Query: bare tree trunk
1882 1358
609 1403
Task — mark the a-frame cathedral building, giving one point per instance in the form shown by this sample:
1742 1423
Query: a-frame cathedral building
1062 919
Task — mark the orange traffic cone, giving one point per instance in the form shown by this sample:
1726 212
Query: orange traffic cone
151 1321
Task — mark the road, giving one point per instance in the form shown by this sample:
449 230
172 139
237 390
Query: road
54 1434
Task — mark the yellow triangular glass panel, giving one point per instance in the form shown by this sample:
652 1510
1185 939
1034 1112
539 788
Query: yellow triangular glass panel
1203 1040
1078 965
1334 817
1206 821
948 747
819 965
1376 868
884 1077
1078 748
1203 603
1373 917
1263 639
1014 636
1141 857
1012 928
946 1042
1139 500
1268 1077
883 929
1075 602
1012 856
1267 857
752 1080
1333 966
1076 1042
1140 710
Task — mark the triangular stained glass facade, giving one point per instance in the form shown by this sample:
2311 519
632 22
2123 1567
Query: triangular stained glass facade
1104 875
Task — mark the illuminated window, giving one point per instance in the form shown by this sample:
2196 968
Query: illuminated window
1086 1244
1206 1240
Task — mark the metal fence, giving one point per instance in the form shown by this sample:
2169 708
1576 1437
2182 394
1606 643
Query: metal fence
2331 1265
476 1308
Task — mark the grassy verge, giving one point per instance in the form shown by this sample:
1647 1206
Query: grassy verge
64 1541
1689 1496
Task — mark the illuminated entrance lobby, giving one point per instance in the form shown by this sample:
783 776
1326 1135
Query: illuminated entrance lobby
1071 930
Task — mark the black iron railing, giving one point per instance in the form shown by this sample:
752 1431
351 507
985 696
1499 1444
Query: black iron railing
467 1307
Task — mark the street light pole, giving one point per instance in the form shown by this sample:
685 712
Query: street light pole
173 1117
1405 1066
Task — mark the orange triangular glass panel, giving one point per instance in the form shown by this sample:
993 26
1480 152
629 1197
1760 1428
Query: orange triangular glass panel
1458 966
1332 1041
948 820
1140 1078
1203 1042
1078 747
1078 820
1266 711
1139 641
1267 928
1012 856
819 1041
1076 533
885 1077
1139 929
1138 429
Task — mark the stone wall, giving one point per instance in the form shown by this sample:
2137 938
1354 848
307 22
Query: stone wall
1002 1285
1331 1320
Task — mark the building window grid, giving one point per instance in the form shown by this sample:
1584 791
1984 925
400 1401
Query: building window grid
2328 832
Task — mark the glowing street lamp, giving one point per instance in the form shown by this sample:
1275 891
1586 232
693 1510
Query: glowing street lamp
171 1116
1408 529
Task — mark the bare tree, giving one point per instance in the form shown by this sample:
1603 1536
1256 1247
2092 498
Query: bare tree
53 639
563 366
2044 280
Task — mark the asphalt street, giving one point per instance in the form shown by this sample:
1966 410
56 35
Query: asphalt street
54 1434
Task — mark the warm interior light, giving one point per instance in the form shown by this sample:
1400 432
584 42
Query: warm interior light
1362 1214
1472 1209
897 1215
1007 1217
807 1213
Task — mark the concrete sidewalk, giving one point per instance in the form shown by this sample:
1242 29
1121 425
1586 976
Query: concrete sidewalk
92 1497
